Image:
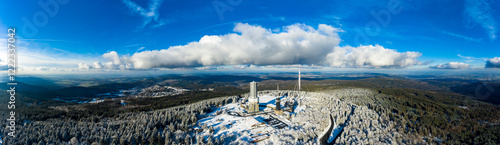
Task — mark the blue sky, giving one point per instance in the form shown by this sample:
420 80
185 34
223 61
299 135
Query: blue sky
82 32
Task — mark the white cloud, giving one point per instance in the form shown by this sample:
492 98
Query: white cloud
480 12
97 65
41 68
253 45
149 14
244 66
452 65
32 54
371 57
493 63
126 66
209 68
141 48
55 69
116 62
113 57
109 65
83 66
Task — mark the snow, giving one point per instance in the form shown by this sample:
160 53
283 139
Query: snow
234 124
229 107
282 119
299 108
233 120
335 133
94 100
123 102
267 99
247 128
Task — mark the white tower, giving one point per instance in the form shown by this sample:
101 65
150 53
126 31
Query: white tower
253 90
253 101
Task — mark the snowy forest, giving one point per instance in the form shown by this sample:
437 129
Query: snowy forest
367 115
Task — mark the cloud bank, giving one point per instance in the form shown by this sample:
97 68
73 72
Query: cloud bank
452 65
255 45
493 63
371 57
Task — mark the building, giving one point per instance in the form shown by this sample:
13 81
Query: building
253 101
277 109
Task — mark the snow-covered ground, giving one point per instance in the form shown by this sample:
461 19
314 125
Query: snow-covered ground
233 123
245 128
299 108
353 124
335 133
268 100
229 124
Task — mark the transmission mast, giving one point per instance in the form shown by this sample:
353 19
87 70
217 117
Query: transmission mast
299 83
299 78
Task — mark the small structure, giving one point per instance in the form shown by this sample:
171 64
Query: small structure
291 104
278 110
197 129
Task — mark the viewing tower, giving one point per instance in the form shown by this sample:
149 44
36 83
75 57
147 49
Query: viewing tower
253 101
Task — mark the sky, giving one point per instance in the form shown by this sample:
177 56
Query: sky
91 35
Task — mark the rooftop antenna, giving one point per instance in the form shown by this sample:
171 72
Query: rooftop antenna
299 82
297 87
299 78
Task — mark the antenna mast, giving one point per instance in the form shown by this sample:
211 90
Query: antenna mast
299 80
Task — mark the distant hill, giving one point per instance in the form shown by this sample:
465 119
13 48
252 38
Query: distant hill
39 82
23 87
480 91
